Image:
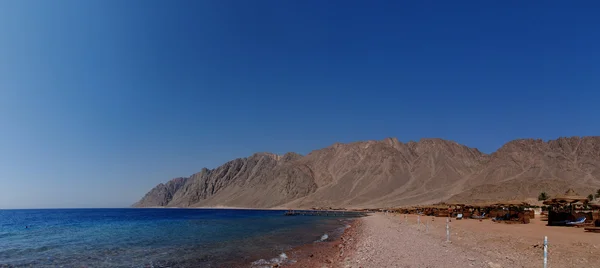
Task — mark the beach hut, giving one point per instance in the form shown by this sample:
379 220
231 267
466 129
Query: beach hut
563 208
455 208
448 209
436 210
478 210
569 197
594 226
512 211
595 206
443 211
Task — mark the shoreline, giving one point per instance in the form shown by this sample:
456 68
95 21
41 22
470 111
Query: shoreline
328 253
220 207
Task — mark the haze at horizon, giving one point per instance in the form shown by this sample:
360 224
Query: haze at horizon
102 100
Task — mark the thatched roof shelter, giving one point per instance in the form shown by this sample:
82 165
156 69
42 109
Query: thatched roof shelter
437 206
456 204
513 203
549 202
569 197
595 204
481 204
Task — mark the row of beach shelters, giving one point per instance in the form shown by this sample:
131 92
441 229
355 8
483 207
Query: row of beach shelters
516 211
440 210
571 209
445 209
595 206
511 211
429 210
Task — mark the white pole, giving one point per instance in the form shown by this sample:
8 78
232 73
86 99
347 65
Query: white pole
447 230
427 227
545 251
419 219
405 219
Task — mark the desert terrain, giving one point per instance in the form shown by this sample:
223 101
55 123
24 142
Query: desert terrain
393 240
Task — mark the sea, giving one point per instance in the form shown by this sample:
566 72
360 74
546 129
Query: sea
158 237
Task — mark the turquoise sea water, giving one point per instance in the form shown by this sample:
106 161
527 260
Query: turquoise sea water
155 237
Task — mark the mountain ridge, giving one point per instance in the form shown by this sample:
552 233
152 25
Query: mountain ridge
390 173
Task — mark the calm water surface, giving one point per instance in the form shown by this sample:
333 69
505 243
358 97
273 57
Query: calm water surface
154 237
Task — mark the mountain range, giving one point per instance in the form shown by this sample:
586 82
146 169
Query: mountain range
386 173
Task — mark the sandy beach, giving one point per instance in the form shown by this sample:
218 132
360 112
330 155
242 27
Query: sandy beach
394 240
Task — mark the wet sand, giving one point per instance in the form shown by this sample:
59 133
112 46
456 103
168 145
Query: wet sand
392 241
328 254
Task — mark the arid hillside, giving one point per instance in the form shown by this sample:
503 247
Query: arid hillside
524 168
389 173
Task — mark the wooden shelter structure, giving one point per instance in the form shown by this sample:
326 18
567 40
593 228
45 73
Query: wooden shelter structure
563 208
513 211
595 206
570 197
446 209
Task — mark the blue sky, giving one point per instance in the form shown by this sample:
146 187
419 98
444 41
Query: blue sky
102 100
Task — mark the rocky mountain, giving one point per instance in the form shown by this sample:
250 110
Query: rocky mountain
261 180
524 168
390 173
162 194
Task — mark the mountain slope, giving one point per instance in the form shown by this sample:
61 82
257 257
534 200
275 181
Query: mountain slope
388 172
524 168
262 180
391 173
162 194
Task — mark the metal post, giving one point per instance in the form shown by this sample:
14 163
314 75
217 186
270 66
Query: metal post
419 219
427 227
405 219
447 230
545 251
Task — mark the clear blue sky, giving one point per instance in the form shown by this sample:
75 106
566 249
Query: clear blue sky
102 100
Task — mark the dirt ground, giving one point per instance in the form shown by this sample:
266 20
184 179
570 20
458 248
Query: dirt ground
522 244
400 240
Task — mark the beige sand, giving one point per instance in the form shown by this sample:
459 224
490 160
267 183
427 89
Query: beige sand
387 241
